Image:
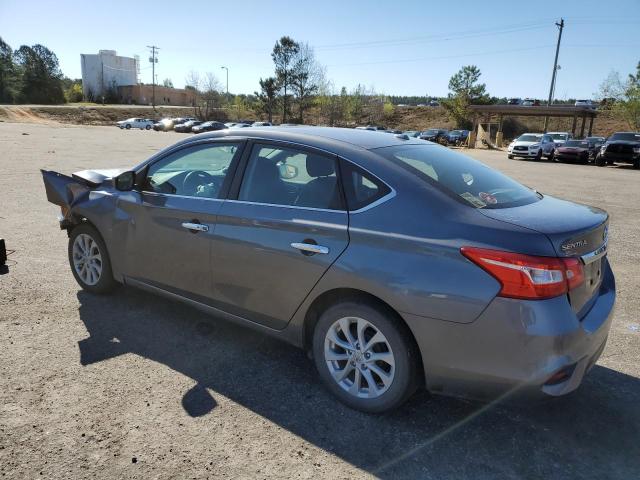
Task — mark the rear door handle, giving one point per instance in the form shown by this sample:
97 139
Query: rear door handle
310 247
195 227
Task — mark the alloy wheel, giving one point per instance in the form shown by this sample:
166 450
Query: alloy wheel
87 259
359 357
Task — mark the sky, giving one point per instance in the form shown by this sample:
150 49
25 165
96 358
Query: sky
397 48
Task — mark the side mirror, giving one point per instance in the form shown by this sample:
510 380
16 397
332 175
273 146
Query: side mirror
125 181
287 171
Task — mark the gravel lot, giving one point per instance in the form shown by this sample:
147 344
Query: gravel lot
135 386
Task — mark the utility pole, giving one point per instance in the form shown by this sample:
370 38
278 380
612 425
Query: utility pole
227 80
555 70
153 59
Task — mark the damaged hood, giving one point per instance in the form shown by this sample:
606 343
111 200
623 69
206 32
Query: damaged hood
64 191
94 178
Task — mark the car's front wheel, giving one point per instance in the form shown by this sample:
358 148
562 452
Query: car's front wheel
128 126
599 161
148 127
89 260
365 355
510 157
538 156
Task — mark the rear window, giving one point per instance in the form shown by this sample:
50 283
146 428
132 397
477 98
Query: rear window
630 137
462 177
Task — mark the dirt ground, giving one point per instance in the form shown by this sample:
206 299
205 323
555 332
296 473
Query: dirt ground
135 386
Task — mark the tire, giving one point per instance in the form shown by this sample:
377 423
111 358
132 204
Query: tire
148 127
552 156
127 126
599 161
510 157
400 379
538 156
85 238
636 163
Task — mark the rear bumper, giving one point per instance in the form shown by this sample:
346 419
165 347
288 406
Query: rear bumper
515 346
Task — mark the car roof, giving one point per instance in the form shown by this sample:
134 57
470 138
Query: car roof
320 137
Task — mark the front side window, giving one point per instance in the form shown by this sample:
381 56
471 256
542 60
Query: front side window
460 176
291 177
198 171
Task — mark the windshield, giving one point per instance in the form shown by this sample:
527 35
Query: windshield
431 131
460 176
577 143
559 136
529 138
630 137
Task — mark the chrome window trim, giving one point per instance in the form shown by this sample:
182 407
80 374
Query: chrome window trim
380 201
247 202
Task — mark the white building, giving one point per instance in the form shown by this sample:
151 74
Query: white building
106 70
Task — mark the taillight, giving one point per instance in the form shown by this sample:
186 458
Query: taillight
526 276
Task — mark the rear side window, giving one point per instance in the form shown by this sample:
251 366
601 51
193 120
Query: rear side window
360 187
460 176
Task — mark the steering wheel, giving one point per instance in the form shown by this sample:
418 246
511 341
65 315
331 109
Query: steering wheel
196 178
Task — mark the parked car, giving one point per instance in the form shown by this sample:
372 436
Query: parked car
530 102
209 127
261 124
457 136
621 147
514 101
560 137
141 123
595 143
434 103
187 126
573 151
412 133
532 145
167 124
438 135
586 104
508 289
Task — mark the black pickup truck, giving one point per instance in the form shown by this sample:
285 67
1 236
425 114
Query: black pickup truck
621 147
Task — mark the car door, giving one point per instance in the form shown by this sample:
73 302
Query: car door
282 227
173 216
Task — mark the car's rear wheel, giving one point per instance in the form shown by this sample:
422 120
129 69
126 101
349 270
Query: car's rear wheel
365 356
636 163
89 260
148 127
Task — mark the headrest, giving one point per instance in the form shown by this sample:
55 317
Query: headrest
318 166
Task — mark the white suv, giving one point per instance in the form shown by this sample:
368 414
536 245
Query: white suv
532 145
141 123
560 138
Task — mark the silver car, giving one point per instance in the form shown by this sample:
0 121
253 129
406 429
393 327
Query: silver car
397 263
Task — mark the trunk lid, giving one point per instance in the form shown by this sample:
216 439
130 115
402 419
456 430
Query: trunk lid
574 230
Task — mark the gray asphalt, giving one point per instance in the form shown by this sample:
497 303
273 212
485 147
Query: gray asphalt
135 386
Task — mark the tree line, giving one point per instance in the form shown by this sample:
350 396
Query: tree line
31 74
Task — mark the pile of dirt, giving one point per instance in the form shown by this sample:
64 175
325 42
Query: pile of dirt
87 115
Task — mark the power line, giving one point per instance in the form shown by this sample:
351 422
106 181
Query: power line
443 57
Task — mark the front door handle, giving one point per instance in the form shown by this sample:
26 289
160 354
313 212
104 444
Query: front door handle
195 227
310 248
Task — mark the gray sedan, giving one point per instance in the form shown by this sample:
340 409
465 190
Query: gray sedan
397 263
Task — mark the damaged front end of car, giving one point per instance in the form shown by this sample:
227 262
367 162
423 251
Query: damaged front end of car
67 192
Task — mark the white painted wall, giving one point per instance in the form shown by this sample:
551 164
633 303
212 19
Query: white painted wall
101 71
